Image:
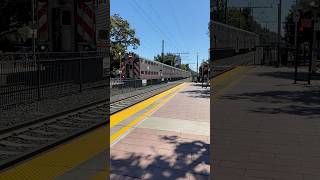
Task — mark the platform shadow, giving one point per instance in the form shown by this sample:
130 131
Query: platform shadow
302 76
303 103
187 160
200 93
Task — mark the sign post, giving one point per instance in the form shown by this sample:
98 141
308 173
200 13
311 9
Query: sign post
296 18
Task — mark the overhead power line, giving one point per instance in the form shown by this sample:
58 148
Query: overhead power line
135 5
177 24
160 19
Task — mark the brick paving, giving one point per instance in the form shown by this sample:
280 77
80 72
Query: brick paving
167 145
265 127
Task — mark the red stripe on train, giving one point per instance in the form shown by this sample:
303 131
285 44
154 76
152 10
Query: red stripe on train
84 7
43 10
44 27
85 26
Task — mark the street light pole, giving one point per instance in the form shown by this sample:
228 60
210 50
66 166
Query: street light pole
226 12
120 66
296 47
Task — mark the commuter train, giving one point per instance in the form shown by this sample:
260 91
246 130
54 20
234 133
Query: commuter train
232 39
71 25
133 66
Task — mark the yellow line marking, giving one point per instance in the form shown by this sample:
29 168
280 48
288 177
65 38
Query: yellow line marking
104 173
144 115
57 161
101 175
61 159
236 73
126 113
226 75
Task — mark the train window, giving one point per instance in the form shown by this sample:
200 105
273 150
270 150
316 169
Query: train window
66 18
142 72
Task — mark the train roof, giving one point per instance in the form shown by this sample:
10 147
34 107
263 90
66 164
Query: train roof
235 28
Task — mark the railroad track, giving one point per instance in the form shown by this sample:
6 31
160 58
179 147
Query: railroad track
26 140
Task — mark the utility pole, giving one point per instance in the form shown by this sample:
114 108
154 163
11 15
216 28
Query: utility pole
197 63
279 32
296 20
162 52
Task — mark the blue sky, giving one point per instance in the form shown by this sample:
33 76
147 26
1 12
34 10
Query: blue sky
182 24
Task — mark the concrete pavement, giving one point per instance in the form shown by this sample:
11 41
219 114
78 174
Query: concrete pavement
265 127
171 143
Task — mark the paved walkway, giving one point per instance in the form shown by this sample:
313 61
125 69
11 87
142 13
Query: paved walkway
265 127
170 143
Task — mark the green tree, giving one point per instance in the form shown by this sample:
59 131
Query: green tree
185 67
242 18
305 11
15 18
122 36
168 58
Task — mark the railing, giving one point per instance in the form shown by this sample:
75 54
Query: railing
120 86
26 77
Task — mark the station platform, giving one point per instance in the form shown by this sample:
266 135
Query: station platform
163 137
168 138
264 126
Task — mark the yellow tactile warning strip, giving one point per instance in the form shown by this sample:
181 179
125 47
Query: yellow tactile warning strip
124 114
166 95
227 80
60 159
101 175
63 158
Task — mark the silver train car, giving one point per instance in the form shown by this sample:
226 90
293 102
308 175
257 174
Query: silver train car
232 38
133 66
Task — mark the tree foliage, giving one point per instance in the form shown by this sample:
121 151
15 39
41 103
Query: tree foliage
168 59
185 67
305 11
242 18
15 24
122 36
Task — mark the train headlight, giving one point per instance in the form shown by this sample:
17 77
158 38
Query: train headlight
42 48
87 48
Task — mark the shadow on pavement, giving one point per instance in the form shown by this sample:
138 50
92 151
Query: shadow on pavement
304 103
203 93
189 160
302 76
